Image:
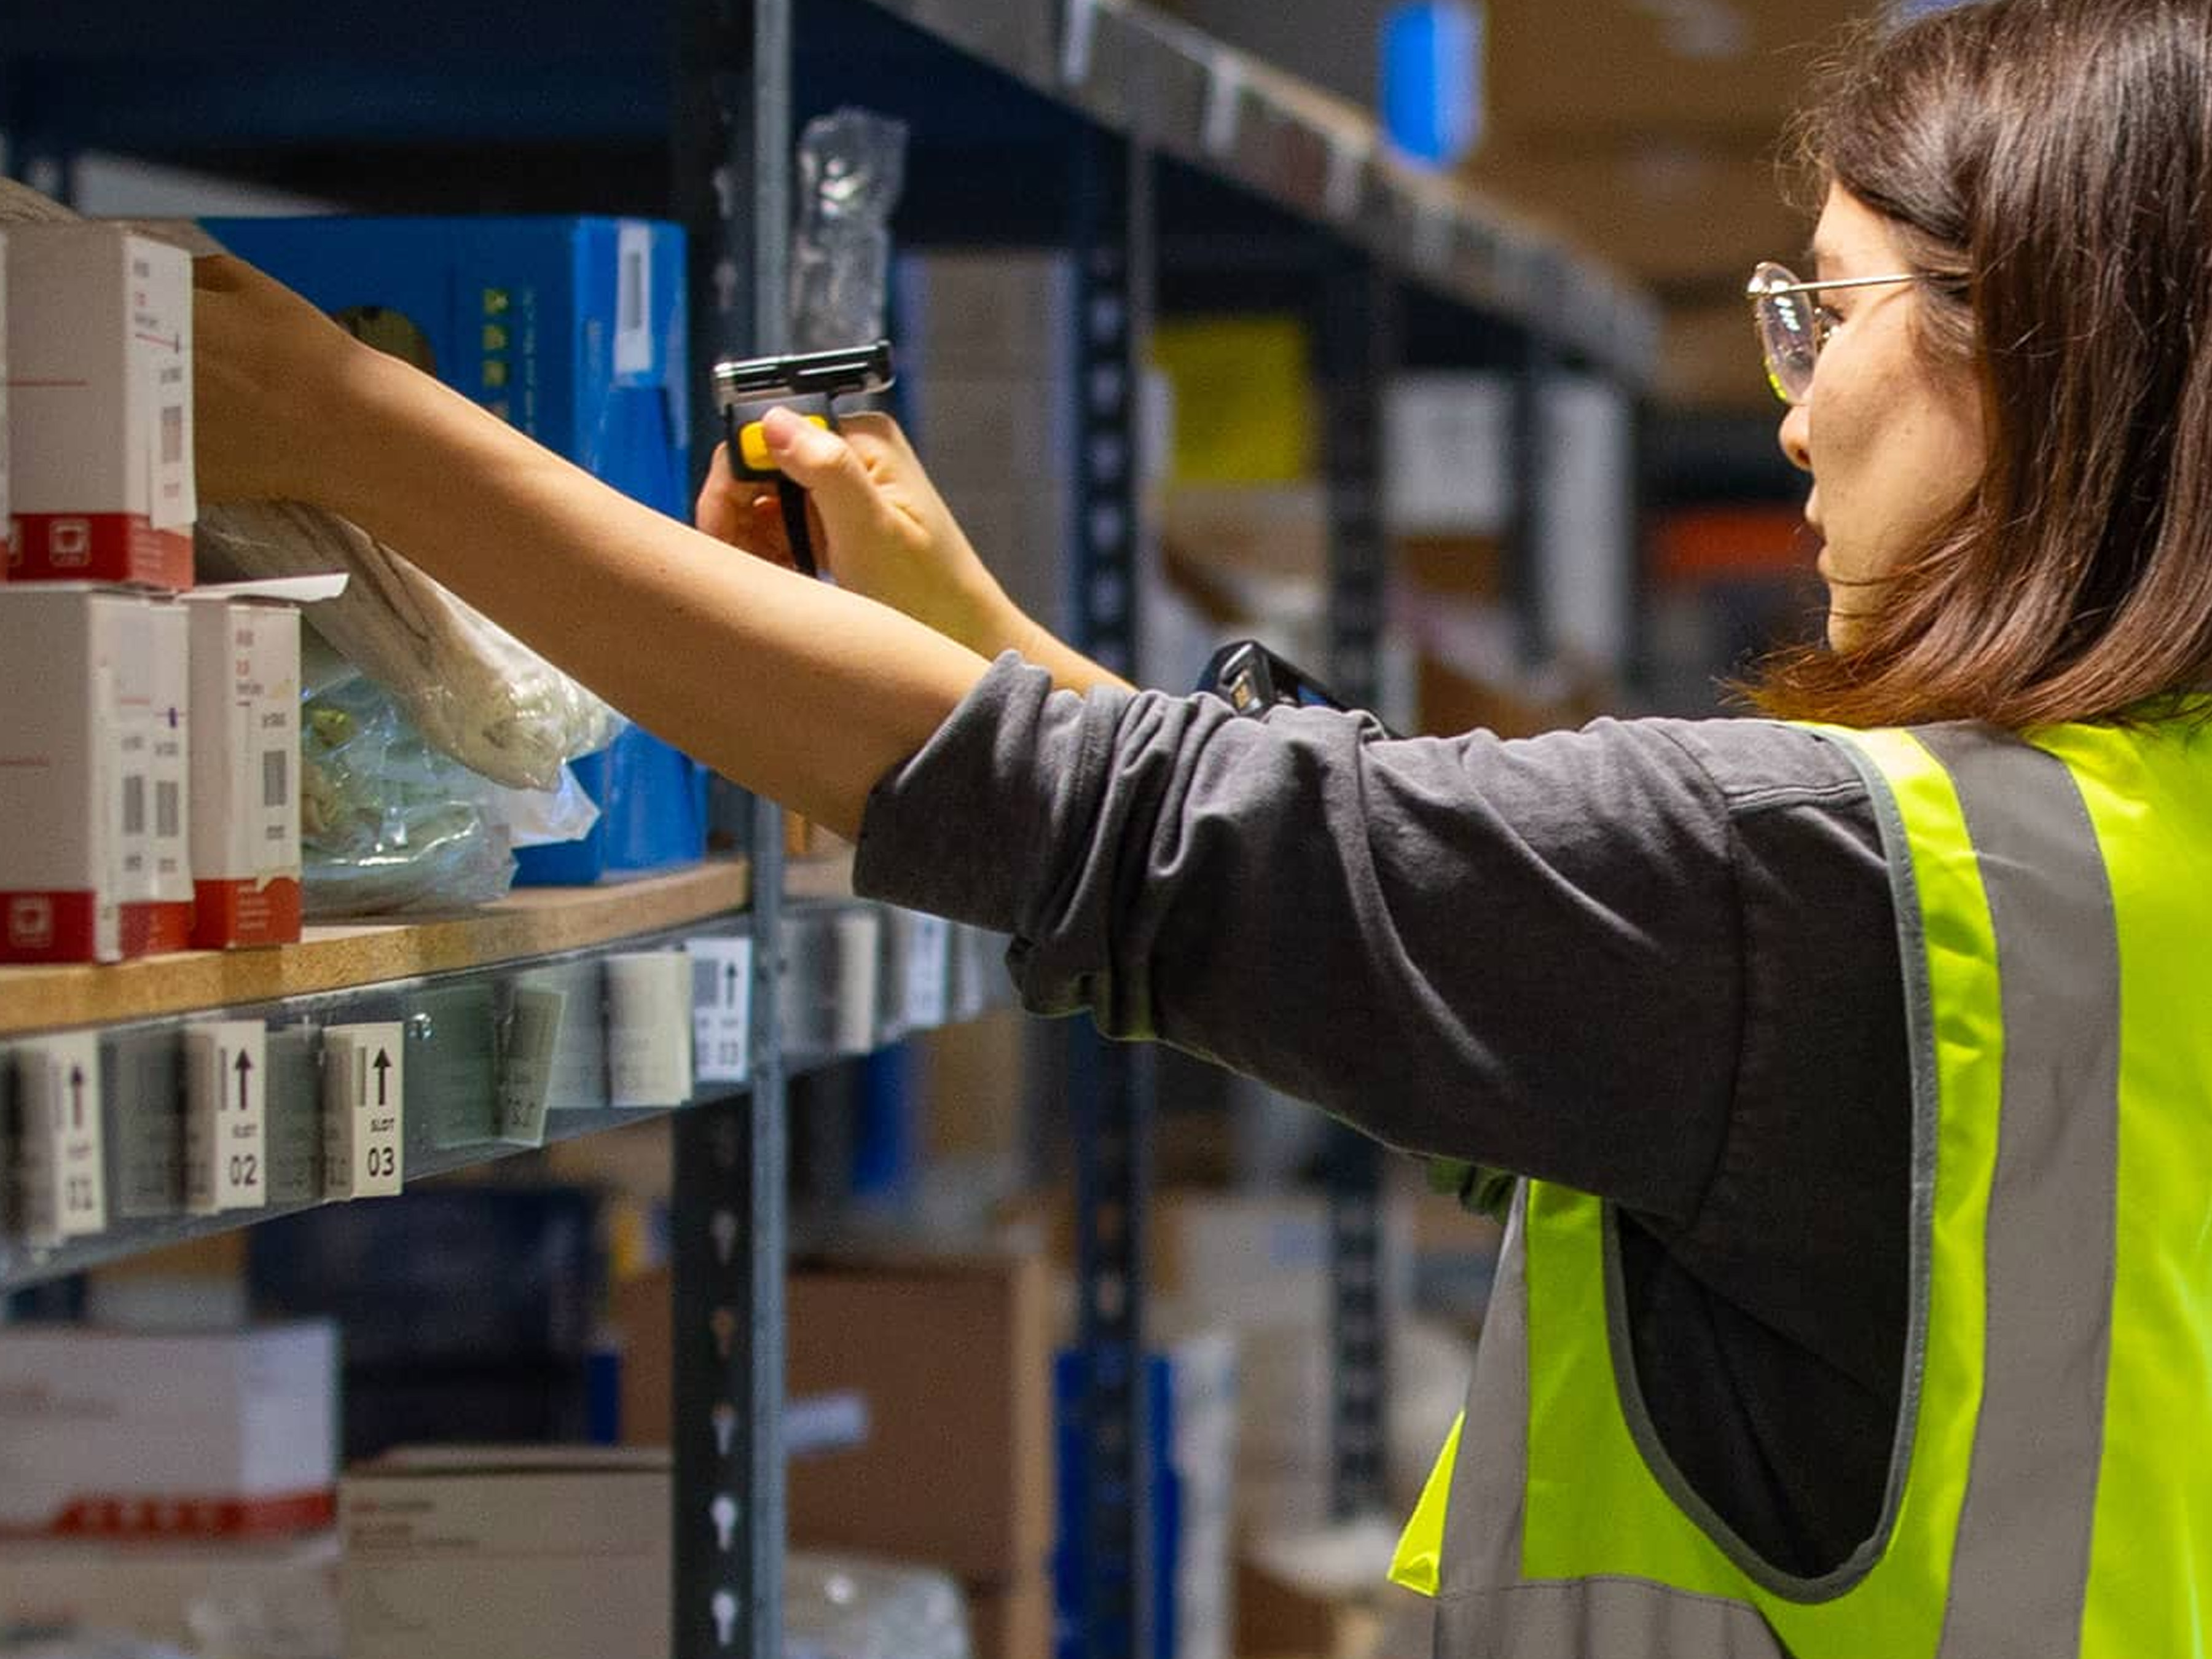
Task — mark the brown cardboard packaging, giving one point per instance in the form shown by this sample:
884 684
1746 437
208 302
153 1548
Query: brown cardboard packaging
1011 1618
954 1358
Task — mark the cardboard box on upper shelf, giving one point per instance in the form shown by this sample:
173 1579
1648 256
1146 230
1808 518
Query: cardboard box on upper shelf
99 428
1005 313
574 328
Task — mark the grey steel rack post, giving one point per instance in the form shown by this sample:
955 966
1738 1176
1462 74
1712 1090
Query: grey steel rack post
1111 1085
733 144
1358 349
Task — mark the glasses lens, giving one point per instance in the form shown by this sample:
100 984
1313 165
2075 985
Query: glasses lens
1787 331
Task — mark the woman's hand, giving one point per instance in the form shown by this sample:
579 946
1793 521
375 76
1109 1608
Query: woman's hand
879 525
267 367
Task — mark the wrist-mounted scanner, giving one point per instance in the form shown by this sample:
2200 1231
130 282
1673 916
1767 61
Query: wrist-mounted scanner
808 384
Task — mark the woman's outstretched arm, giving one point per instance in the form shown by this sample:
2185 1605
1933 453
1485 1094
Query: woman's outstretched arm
799 690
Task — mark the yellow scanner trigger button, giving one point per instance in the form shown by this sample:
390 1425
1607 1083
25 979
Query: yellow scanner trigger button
752 445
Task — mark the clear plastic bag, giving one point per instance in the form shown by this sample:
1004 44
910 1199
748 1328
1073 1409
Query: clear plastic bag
838 1606
389 825
472 689
852 166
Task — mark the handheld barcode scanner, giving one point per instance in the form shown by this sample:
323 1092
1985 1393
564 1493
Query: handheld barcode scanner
808 383
1252 679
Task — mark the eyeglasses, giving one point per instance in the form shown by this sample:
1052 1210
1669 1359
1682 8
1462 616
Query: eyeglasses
1792 328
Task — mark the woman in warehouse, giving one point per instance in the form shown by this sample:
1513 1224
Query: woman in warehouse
1858 1302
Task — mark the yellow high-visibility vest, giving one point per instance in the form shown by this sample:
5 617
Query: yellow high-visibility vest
2049 1490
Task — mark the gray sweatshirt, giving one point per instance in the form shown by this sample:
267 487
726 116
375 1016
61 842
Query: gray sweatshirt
1654 960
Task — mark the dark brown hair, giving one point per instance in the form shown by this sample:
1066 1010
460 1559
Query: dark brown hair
2047 166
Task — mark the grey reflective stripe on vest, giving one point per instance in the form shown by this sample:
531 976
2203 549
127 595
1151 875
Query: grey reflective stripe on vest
2021 1557
2021 1572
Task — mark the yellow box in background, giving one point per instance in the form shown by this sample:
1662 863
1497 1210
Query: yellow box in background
1245 398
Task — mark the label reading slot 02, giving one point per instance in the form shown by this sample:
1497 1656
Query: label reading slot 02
226 1115
364 1119
526 1063
62 1156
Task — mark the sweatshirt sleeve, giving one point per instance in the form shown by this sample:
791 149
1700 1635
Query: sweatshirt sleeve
1527 953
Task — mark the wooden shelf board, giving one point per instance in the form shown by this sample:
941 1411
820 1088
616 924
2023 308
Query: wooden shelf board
531 921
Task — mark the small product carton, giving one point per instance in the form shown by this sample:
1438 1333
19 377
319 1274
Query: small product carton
99 438
153 682
245 655
63 769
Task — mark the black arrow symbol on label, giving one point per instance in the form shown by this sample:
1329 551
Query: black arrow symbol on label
76 1097
729 984
383 1066
244 1068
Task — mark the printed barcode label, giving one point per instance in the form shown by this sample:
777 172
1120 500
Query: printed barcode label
721 1008
169 811
276 778
634 299
633 289
172 435
134 805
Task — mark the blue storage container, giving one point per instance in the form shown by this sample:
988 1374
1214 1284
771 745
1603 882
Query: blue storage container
574 330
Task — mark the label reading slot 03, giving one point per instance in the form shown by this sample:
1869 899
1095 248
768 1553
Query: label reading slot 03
226 1115
62 1152
721 1008
363 1116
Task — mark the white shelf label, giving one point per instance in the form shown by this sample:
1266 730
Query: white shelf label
526 1063
860 935
633 299
65 1193
226 1115
364 1121
929 970
648 1029
721 1008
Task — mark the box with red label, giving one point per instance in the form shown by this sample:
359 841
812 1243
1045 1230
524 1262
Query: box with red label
154 685
100 433
244 769
62 770
126 1434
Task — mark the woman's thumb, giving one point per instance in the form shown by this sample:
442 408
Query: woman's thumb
824 465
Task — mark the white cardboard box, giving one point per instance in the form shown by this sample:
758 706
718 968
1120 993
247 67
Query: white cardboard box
99 441
223 1435
556 1553
62 766
150 1589
245 770
154 686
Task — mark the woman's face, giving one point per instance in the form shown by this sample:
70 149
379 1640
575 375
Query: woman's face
1892 443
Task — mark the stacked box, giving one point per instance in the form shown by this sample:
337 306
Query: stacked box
574 330
154 688
63 770
99 438
245 777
